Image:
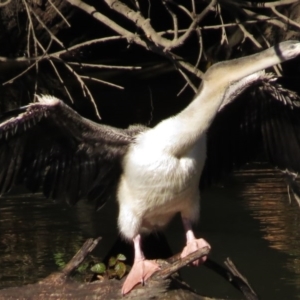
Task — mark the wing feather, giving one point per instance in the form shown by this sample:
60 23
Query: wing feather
254 127
48 146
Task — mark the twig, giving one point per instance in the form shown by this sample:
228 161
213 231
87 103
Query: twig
224 35
10 81
133 37
241 284
241 280
248 35
198 31
193 6
59 13
78 258
174 18
260 4
84 87
98 66
108 22
152 35
61 81
233 277
218 26
188 81
178 263
137 18
184 9
35 40
265 18
5 3
56 72
87 43
102 81
284 18
193 25
52 36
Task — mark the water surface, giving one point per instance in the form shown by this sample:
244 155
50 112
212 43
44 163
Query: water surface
248 219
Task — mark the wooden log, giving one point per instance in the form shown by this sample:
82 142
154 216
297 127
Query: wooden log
164 284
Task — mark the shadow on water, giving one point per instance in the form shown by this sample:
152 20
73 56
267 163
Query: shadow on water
32 232
248 219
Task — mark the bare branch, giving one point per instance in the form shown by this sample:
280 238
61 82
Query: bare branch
188 81
98 66
135 38
230 265
174 18
59 13
102 81
137 18
184 9
248 35
218 26
61 81
193 7
5 3
284 18
105 20
224 36
31 30
259 4
85 89
28 68
145 25
62 276
265 18
46 28
10 81
56 72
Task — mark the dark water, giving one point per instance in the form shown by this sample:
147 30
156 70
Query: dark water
248 219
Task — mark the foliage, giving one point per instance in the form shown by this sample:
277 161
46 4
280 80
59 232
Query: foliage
115 268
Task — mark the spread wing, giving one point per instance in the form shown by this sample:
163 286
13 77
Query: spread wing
263 124
47 145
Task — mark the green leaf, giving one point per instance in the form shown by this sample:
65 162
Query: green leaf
112 261
121 257
120 269
82 268
59 259
98 268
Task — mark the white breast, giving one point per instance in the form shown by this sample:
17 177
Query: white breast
156 185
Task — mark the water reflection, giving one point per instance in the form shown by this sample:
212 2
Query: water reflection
269 203
248 219
32 231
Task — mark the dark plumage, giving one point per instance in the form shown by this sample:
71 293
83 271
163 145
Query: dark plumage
48 145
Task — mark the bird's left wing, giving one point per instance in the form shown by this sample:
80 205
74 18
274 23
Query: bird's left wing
47 145
262 124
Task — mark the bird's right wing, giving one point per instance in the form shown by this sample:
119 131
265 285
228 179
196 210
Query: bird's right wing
47 145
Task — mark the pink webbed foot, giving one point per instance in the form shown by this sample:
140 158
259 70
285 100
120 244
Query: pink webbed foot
192 246
141 270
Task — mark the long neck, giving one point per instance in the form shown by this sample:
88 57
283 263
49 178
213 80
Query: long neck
196 118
